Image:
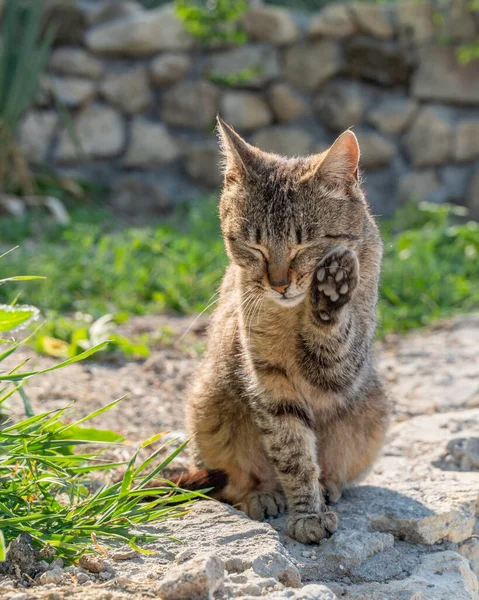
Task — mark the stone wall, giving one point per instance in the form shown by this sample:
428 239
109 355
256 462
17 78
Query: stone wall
143 96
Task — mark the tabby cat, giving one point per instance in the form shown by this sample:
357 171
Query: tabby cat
287 403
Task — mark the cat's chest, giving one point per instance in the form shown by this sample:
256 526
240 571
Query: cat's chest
274 338
276 342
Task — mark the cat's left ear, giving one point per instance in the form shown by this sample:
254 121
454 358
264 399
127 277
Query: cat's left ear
240 158
342 159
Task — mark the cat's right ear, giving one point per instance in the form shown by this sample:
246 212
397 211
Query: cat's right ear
239 157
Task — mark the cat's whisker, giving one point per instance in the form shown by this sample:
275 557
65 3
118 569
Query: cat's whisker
251 315
256 311
199 316
210 303
243 298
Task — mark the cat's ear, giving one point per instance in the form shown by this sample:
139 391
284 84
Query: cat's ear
342 159
239 156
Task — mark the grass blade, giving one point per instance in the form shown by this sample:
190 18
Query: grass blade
70 361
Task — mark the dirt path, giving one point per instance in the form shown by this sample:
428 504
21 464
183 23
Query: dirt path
433 370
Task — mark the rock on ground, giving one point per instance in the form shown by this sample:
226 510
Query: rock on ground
198 578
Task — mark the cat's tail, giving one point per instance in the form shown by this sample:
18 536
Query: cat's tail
211 482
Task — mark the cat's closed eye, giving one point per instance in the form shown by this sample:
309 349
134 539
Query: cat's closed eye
259 251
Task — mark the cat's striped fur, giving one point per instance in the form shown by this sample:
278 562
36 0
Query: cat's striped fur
287 401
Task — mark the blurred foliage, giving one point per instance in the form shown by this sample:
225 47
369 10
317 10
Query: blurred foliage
213 20
64 337
465 52
56 485
304 5
98 265
431 267
23 55
96 268
242 77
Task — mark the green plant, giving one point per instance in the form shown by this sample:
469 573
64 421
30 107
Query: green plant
47 489
47 483
242 77
66 337
23 56
213 20
96 269
431 267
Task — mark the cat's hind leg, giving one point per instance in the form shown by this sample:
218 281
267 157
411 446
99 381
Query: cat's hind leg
350 444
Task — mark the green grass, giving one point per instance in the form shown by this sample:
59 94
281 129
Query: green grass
98 266
94 269
48 488
430 269
55 488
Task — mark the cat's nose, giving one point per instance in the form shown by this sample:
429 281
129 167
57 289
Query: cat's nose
280 287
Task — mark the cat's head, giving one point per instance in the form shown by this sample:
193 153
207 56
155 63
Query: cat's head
280 215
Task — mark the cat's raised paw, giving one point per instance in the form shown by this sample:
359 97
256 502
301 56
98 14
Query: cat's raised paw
259 505
310 529
337 277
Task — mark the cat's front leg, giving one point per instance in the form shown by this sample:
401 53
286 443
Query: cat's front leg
335 281
286 424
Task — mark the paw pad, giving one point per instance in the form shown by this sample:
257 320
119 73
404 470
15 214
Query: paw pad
337 278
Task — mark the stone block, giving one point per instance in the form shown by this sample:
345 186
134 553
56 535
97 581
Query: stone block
36 133
253 65
429 139
127 89
286 141
441 78
190 104
274 24
100 131
151 144
376 150
76 62
140 33
382 62
340 105
196 579
168 68
333 20
393 114
286 103
245 110
375 20
466 140
310 64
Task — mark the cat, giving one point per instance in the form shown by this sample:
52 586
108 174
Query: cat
287 408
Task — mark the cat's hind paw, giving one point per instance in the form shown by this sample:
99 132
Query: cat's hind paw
260 505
